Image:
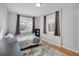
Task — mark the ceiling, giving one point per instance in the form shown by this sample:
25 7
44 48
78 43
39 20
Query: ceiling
30 9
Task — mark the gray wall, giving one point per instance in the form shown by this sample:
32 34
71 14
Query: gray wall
3 18
78 29
37 22
12 19
69 27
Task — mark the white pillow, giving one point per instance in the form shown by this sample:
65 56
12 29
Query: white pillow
10 35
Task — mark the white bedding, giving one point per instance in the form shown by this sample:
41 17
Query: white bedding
25 37
25 40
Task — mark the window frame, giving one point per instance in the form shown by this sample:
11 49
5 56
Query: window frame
50 22
26 31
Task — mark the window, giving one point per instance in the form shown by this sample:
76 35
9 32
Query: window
25 25
50 23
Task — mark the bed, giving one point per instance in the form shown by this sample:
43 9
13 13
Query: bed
27 40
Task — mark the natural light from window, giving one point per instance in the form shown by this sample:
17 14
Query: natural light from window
25 25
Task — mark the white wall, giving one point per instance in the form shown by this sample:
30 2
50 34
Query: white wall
69 28
12 19
3 17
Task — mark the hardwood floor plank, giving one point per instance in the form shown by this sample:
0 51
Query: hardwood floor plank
62 49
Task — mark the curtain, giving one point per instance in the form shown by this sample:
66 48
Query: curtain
17 25
44 28
33 28
57 26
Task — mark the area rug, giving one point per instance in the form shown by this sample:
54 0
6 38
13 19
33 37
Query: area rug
41 50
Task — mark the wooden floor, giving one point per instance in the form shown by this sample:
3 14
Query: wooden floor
62 49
